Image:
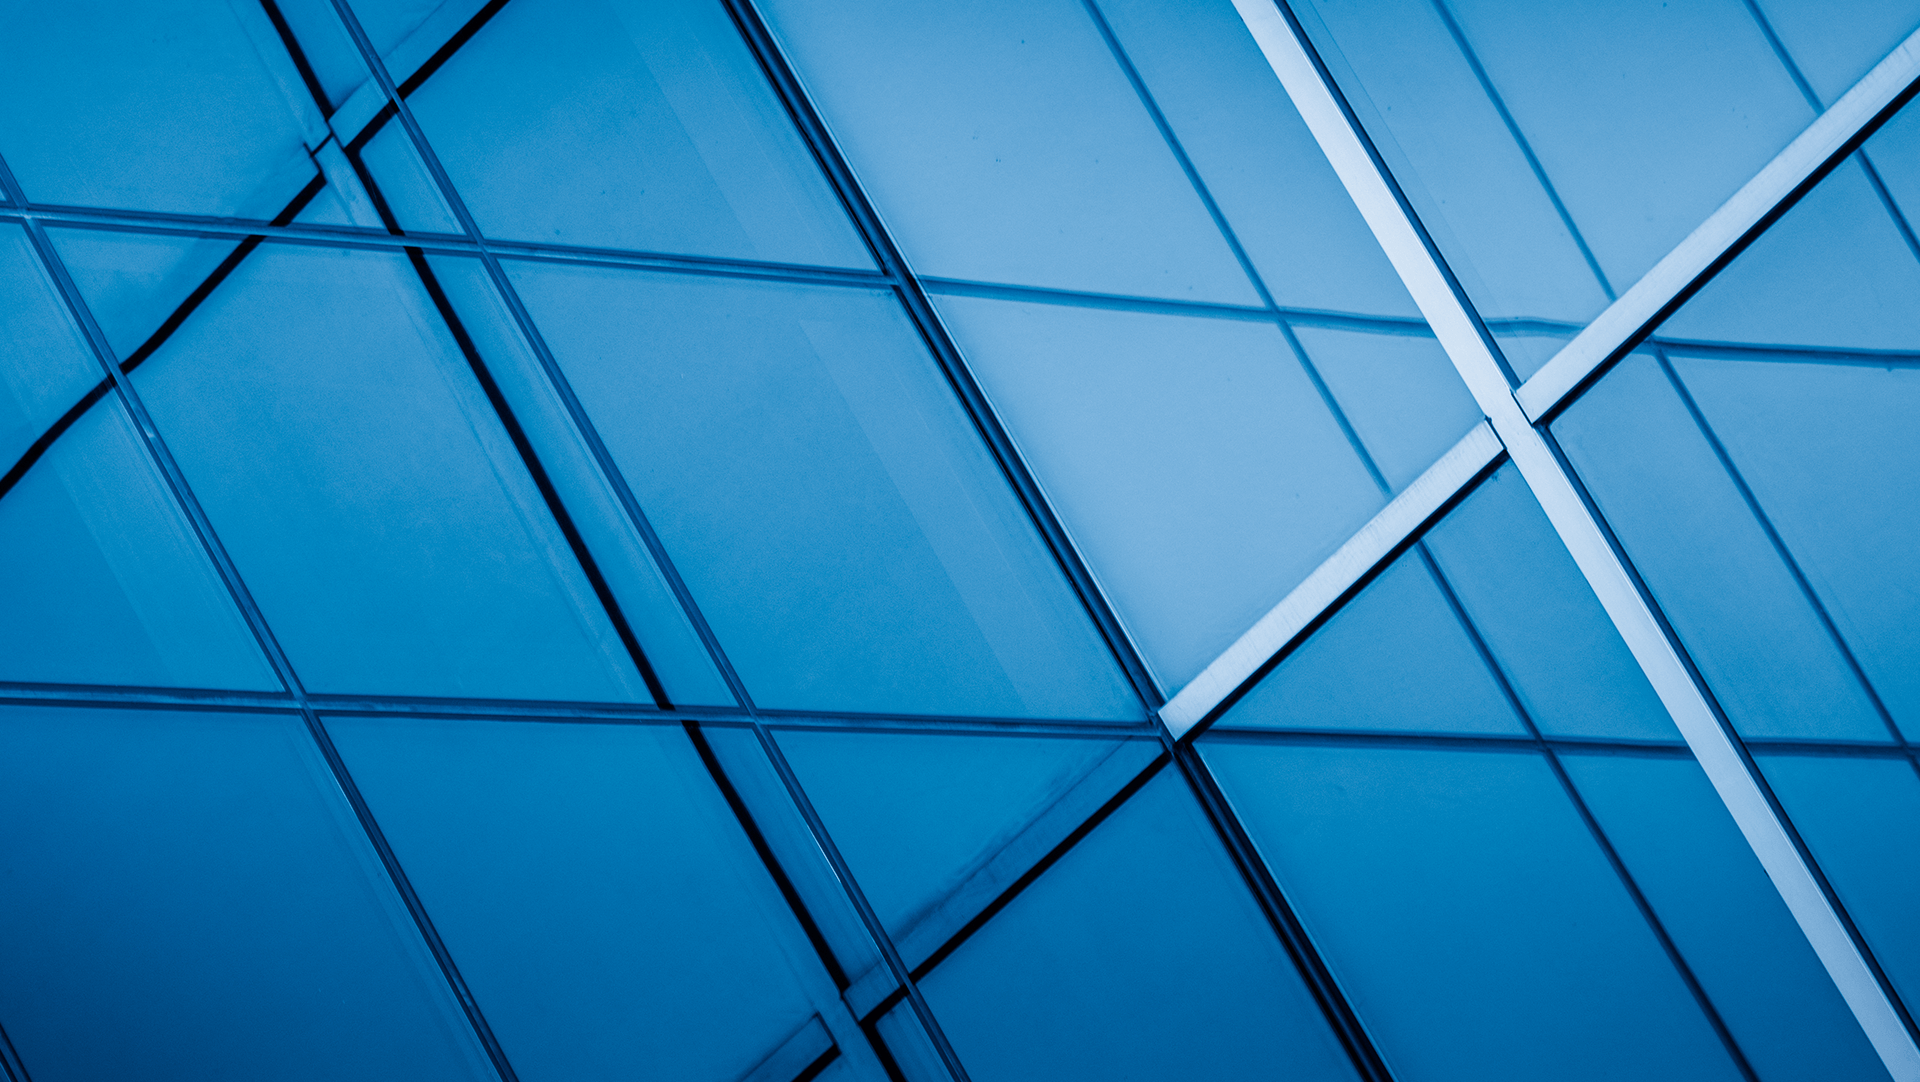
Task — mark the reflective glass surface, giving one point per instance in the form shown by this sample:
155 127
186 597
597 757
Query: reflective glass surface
835 516
1757 460
189 897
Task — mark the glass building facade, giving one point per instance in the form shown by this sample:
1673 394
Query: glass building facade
770 540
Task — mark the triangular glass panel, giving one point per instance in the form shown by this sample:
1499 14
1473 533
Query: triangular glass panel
105 581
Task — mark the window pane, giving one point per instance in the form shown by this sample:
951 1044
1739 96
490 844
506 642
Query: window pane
834 514
175 105
1002 143
364 487
1200 471
595 891
45 365
189 897
1139 955
1400 393
629 124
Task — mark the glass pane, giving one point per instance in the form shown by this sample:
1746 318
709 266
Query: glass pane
597 894
1199 469
45 365
1556 153
1834 43
329 50
629 124
364 487
1463 905
1675 836
1139 955
1400 393
916 815
1002 143
845 532
189 897
105 581
188 106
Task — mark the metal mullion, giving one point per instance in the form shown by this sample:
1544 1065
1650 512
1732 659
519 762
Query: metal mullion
1817 151
603 458
1741 788
202 526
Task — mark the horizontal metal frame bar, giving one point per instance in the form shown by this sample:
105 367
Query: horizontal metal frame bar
1439 296
1822 146
1378 541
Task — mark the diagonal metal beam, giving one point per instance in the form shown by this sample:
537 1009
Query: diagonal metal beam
1443 302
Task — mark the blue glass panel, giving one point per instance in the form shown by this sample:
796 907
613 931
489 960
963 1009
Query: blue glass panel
1558 152
1003 143
1713 898
105 582
330 52
1861 818
1279 196
364 487
45 365
1139 955
1743 619
1399 392
178 105
405 186
1464 907
629 124
827 501
189 897
1393 659
599 898
1545 628
916 814
671 645
1835 42
133 282
1199 470
1830 454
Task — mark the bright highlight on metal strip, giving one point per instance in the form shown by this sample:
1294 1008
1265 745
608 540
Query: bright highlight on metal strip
1652 296
1361 554
1351 156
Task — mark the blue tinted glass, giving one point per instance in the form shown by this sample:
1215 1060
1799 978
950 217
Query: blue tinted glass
598 896
105 582
915 815
135 283
1744 620
1395 658
364 487
1199 470
671 645
1559 152
45 365
403 183
827 501
1139 955
1003 143
1545 628
1713 898
189 897
388 23
1279 196
629 124
1399 392
1835 42
1464 907
179 105
1861 818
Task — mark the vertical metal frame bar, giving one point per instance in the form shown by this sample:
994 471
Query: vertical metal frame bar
1465 338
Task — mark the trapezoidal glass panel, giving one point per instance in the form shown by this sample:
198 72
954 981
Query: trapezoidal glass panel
838 520
190 897
356 472
1757 460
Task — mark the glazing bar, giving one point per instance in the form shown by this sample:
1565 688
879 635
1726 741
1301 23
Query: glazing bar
1406 245
1379 539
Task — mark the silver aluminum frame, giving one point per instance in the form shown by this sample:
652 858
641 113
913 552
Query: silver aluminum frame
1354 160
